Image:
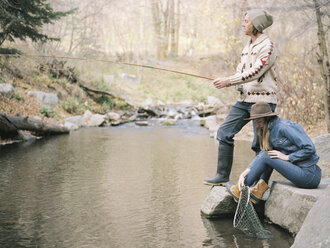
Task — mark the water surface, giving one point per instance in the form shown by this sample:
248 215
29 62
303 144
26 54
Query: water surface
117 187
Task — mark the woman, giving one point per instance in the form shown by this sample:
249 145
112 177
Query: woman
285 147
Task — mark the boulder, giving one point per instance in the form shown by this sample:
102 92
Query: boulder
218 203
315 232
87 116
71 126
213 101
210 123
142 123
96 120
322 145
130 78
49 99
113 116
7 90
76 120
288 206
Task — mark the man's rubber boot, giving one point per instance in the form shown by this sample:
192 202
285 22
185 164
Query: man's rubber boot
225 162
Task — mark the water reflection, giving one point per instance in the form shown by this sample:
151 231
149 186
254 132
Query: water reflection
112 187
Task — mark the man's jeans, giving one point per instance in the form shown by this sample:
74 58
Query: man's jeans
234 122
262 167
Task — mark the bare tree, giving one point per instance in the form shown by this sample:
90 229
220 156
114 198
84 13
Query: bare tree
323 57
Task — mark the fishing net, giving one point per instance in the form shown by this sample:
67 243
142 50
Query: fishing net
246 218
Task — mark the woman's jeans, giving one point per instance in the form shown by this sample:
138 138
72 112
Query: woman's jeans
262 167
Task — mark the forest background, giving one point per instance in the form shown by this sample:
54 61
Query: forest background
200 37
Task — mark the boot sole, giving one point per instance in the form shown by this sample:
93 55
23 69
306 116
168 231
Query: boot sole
229 185
216 184
254 199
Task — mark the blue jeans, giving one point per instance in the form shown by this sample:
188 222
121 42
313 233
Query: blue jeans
262 167
234 122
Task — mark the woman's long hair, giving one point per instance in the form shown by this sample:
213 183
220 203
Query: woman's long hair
263 135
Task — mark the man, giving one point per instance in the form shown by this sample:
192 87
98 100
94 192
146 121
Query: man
255 79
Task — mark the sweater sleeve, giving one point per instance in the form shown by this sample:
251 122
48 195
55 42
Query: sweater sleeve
265 59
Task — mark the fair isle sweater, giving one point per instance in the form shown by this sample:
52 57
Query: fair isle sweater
256 71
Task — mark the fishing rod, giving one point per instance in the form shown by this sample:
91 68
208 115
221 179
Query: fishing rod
108 61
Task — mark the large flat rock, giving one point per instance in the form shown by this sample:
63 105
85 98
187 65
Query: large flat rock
288 205
315 232
322 145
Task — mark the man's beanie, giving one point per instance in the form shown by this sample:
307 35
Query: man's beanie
260 19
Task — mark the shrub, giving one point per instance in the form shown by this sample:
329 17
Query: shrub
47 111
72 105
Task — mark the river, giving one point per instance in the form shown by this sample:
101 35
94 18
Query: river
117 187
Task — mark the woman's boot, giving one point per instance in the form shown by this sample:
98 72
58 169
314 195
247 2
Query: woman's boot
233 190
225 162
258 191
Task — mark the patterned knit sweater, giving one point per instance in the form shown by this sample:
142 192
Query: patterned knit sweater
255 77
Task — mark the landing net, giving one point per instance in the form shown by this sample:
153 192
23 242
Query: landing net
246 218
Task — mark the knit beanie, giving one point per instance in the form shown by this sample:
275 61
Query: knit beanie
260 19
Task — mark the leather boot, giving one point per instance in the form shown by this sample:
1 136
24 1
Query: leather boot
225 162
233 190
258 191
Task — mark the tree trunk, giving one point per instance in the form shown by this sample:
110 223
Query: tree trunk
174 50
11 124
157 26
323 60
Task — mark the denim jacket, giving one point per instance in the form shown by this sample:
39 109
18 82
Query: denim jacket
291 139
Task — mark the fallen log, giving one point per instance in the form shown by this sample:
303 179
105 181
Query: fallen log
11 124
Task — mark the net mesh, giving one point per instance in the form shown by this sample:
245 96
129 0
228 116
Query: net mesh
246 218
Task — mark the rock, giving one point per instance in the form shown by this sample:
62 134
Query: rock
87 116
71 126
142 123
147 103
7 90
218 203
160 103
27 137
210 123
76 120
96 120
188 103
49 99
322 145
315 232
213 101
288 206
113 116
108 79
149 111
129 78
37 118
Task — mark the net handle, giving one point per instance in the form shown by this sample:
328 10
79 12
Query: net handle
243 189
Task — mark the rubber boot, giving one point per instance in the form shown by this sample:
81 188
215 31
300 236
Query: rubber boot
258 191
225 162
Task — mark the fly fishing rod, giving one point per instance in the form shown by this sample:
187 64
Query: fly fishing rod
108 61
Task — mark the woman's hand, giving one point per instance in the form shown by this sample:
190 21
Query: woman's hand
278 154
242 177
220 83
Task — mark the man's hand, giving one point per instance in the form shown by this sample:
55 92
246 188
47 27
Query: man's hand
277 154
220 83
